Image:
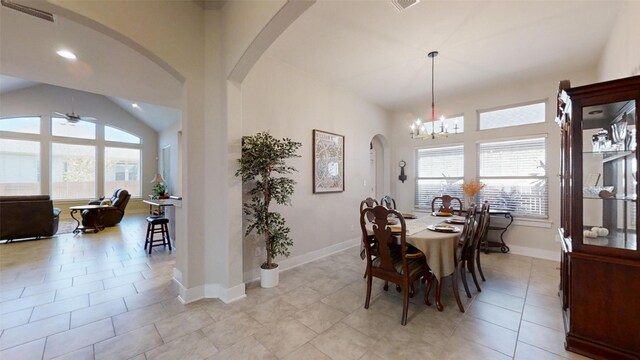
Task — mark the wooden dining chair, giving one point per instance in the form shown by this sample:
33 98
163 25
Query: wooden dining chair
446 204
388 202
471 256
466 239
483 229
392 263
367 203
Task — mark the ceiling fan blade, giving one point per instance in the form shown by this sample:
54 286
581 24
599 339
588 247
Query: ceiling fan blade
90 118
61 114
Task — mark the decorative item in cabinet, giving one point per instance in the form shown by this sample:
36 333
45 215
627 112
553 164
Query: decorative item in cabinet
600 262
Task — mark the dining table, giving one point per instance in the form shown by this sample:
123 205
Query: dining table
438 246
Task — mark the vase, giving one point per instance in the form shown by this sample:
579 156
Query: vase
269 277
472 200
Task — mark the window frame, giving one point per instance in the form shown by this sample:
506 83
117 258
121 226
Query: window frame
95 168
39 165
113 144
10 134
47 139
104 135
479 112
544 177
417 178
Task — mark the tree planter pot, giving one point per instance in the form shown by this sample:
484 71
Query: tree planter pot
269 277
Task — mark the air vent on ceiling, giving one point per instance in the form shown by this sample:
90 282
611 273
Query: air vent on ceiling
402 5
28 10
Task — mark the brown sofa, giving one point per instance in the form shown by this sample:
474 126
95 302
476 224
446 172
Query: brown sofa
108 216
27 216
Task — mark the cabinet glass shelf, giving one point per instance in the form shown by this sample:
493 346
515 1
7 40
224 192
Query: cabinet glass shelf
609 155
618 198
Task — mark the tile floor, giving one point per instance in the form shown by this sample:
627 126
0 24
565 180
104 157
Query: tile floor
100 296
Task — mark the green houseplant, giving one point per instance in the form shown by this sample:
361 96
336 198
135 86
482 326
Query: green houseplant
159 189
261 164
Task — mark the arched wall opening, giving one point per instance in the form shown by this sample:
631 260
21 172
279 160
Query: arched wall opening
381 165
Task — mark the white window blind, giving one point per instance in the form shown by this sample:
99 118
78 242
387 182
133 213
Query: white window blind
438 171
513 116
515 175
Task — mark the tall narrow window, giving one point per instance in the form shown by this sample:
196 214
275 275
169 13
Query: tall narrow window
19 167
122 170
438 171
73 171
516 176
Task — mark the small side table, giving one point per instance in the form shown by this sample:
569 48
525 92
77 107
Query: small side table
503 228
82 228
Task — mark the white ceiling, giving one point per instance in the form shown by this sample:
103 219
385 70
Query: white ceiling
366 47
104 66
379 53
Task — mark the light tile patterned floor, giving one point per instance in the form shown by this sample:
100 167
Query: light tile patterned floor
100 296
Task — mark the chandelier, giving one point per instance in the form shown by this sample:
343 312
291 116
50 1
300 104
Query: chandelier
419 128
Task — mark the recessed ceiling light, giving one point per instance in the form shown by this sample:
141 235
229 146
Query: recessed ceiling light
67 54
135 105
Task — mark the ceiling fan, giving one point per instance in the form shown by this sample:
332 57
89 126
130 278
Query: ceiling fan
72 117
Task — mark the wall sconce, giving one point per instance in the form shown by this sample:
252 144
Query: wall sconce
402 176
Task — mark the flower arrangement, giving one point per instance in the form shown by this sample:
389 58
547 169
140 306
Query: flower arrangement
471 188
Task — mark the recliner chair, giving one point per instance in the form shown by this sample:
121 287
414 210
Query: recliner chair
110 215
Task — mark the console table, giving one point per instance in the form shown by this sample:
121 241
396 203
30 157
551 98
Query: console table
486 244
82 228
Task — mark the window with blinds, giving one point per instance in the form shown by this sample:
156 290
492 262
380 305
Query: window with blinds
438 171
515 176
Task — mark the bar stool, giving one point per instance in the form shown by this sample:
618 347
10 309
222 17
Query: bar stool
162 228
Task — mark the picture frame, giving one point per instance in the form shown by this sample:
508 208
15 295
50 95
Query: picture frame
328 162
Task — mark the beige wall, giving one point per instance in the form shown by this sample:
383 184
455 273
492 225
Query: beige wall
621 56
202 53
291 103
535 239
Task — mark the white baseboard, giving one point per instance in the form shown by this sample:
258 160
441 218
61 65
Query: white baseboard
209 291
536 253
292 262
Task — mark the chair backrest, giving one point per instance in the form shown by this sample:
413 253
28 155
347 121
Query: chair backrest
120 199
388 202
114 197
482 225
468 233
383 237
368 203
446 204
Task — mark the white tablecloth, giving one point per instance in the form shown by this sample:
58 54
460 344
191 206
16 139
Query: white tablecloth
438 247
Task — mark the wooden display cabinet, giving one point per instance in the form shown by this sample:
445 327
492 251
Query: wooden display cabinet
600 272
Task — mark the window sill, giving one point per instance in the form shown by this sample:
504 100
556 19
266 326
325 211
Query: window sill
539 223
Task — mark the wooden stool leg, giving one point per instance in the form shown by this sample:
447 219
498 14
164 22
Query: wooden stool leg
153 231
146 238
166 227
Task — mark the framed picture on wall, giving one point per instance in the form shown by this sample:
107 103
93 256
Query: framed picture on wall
328 162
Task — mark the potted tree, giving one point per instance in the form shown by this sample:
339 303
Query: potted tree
262 161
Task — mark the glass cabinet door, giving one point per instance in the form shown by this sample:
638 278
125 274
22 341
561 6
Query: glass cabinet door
609 175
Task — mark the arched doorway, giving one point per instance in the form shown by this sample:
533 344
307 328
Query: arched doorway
380 167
